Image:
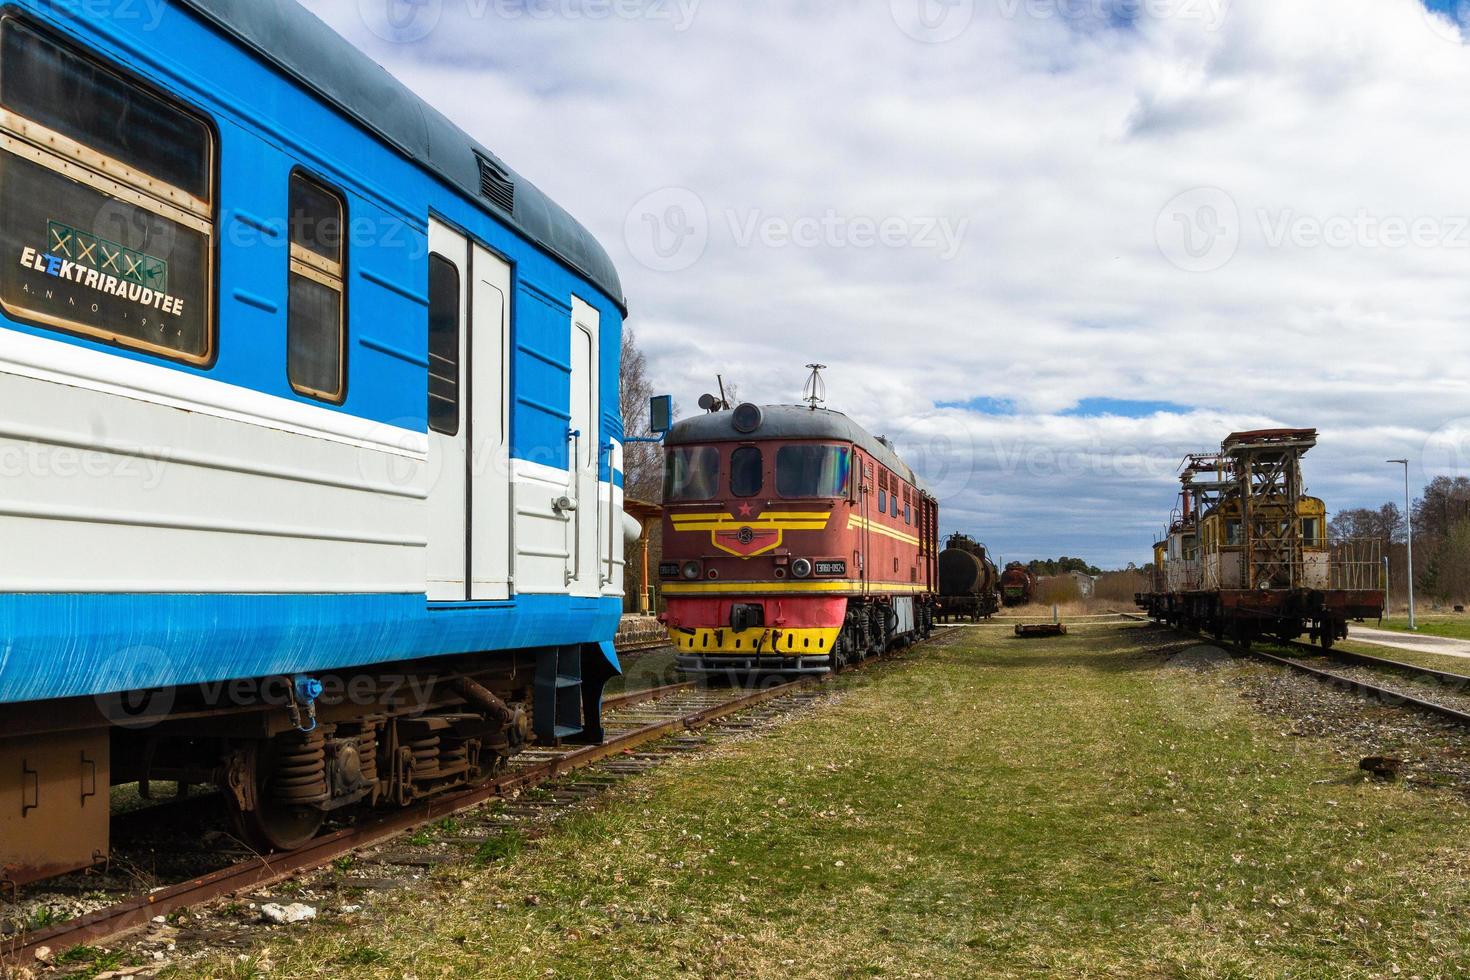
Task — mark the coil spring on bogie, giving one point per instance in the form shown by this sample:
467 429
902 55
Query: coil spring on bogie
425 756
367 750
454 756
299 777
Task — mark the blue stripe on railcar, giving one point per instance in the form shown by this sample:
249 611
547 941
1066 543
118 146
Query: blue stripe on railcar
80 645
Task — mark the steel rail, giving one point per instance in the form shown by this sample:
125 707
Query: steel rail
1387 696
1384 695
631 698
1368 660
139 910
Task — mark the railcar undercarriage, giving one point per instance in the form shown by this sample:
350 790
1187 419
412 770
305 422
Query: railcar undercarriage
1244 616
286 753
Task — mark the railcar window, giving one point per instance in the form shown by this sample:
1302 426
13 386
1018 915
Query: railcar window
1311 532
746 478
1233 535
443 346
692 473
106 201
316 323
814 471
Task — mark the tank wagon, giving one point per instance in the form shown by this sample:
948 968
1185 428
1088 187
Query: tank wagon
317 407
969 582
794 542
1247 556
1017 585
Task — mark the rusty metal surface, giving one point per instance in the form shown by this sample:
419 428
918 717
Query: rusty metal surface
54 804
139 910
1040 631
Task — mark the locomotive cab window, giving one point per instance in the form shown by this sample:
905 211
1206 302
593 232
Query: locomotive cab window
746 476
1312 532
106 201
813 471
316 327
692 473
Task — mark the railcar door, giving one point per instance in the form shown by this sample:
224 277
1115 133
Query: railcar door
490 512
448 558
584 454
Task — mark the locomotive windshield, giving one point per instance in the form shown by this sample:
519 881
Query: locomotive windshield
812 471
692 473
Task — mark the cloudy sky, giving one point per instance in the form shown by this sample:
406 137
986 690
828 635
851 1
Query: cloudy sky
1049 246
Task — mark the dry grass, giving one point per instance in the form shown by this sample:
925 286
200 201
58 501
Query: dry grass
1073 808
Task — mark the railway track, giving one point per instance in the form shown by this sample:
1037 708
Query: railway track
1456 708
633 720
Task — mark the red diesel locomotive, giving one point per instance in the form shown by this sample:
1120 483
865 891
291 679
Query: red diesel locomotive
793 542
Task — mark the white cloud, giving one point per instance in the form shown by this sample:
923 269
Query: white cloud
1331 127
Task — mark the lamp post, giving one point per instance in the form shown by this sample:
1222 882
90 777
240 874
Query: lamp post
1409 523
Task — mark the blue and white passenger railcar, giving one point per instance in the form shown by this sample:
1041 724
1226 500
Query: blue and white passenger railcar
300 383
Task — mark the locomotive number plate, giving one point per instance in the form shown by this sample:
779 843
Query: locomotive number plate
831 568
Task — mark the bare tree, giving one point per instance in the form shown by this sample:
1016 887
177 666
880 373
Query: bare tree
1385 524
643 462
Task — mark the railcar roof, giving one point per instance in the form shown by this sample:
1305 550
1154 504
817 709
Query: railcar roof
791 422
297 42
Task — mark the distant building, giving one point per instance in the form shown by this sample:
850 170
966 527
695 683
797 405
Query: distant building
1086 584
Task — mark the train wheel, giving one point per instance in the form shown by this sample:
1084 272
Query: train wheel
841 655
273 776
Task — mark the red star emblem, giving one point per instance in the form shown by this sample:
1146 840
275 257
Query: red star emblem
745 510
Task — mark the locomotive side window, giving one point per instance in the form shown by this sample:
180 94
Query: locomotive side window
443 346
813 471
316 324
692 473
1312 532
106 201
746 477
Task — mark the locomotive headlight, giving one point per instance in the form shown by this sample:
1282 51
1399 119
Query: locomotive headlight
801 568
691 570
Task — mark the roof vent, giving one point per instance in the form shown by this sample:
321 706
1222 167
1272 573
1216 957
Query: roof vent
496 185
